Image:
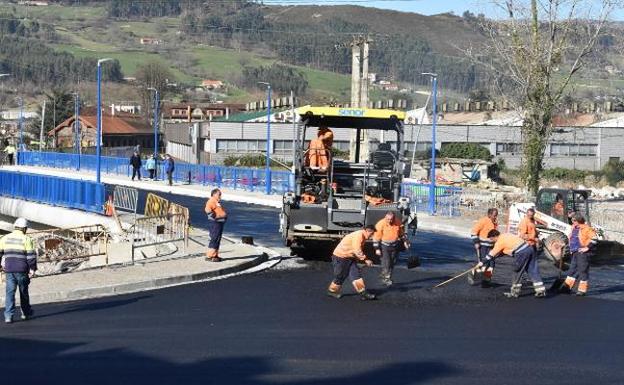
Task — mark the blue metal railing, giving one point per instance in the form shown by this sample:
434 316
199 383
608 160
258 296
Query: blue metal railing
447 198
63 192
249 179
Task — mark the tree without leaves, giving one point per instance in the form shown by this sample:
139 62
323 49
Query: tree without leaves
537 50
152 75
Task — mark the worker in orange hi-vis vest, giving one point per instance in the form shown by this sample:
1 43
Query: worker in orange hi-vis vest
319 149
387 241
583 242
344 261
525 261
527 229
483 245
216 221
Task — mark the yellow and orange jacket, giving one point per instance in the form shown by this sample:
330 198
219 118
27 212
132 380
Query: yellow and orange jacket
351 246
480 231
586 236
507 244
388 233
528 231
214 210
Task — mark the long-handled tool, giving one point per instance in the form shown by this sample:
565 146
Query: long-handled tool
559 281
474 278
455 277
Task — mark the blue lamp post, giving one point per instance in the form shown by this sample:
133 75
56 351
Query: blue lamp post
268 140
156 113
77 139
98 133
432 184
21 123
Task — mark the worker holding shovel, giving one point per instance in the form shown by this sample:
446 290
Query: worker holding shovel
525 261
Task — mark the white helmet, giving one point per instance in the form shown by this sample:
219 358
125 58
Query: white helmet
20 223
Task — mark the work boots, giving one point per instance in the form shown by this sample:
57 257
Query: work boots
514 292
540 290
582 289
334 290
567 285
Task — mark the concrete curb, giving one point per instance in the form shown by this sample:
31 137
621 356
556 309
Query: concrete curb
150 284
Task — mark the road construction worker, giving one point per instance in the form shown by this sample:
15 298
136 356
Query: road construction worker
558 208
527 229
216 221
582 245
525 260
388 239
482 244
19 262
344 262
319 149
9 149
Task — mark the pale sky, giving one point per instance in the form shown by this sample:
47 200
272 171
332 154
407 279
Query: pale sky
425 7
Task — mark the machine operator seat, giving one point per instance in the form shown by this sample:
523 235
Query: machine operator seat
384 157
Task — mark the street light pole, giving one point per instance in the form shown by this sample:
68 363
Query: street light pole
432 186
77 129
98 134
21 123
156 113
268 140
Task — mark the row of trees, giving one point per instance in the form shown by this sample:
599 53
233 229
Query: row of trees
282 78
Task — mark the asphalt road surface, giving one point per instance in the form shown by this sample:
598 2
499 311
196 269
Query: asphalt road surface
278 327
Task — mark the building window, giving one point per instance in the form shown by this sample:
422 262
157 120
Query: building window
563 149
508 148
282 146
342 145
420 146
227 145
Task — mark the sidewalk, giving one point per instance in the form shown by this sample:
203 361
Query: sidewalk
153 273
459 226
193 190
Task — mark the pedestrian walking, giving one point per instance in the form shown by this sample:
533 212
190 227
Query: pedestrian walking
527 229
582 245
525 261
169 168
388 239
483 245
19 262
136 163
9 149
344 262
150 165
216 221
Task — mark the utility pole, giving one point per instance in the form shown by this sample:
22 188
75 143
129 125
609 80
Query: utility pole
42 126
359 94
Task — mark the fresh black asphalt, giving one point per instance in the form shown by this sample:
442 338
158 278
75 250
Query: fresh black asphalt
278 327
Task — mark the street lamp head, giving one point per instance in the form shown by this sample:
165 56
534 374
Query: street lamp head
3 75
433 75
265 84
100 61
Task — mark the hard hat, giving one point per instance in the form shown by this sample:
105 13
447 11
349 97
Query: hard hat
21 223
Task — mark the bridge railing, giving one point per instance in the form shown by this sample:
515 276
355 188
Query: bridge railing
249 179
63 192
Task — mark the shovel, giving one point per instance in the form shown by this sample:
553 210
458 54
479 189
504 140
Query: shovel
559 281
455 277
475 277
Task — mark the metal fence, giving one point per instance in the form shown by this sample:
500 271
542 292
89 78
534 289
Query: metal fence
447 198
248 179
63 192
154 231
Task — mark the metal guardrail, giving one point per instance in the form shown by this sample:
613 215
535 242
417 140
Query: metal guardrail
220 176
158 230
63 192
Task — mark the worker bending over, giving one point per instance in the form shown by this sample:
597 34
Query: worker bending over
483 245
582 245
387 241
319 149
344 262
525 260
527 229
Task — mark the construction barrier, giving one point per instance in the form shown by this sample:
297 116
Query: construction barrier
447 198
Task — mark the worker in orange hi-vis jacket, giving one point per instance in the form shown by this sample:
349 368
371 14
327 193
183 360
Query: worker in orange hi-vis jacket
583 242
216 221
527 228
482 244
525 261
389 237
344 261
319 150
